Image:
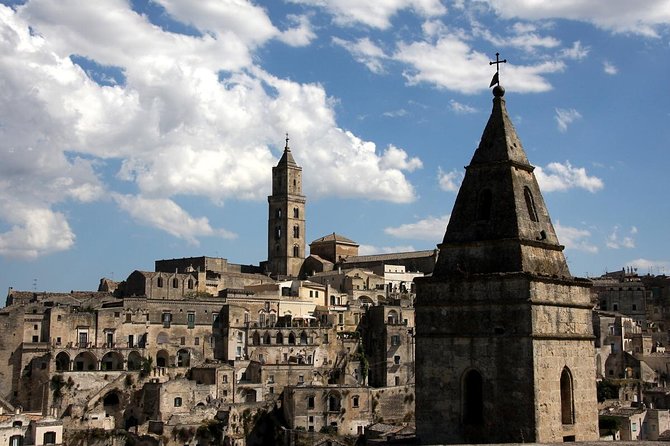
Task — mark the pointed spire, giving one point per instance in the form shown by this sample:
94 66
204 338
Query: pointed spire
287 157
500 222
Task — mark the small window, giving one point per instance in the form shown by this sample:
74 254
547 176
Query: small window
396 359
395 340
129 317
182 340
175 283
159 282
296 231
177 402
310 402
190 284
530 204
296 251
354 401
196 341
296 213
167 319
190 320
301 379
49 437
17 424
225 379
59 317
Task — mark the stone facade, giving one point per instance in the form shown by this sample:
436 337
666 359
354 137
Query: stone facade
502 327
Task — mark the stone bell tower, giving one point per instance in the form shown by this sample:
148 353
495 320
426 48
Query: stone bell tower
504 343
286 219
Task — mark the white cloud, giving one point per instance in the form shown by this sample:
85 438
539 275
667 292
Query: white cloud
450 63
650 266
366 250
449 181
168 216
375 14
561 177
575 238
461 109
522 36
613 15
430 228
609 68
35 231
575 52
616 241
395 158
395 113
565 117
193 116
301 35
364 51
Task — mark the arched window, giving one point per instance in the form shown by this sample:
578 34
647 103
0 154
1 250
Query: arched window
296 213
484 203
159 282
567 400
256 338
296 251
267 339
333 403
175 283
530 204
261 319
296 231
277 232
473 398
190 284
291 338
278 213
280 338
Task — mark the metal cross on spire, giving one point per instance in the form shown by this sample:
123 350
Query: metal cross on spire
286 141
496 79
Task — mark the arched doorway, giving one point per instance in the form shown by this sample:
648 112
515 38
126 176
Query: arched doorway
111 403
62 362
85 362
134 360
162 358
112 361
473 398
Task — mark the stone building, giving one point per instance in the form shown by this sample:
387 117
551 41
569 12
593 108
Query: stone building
286 219
502 326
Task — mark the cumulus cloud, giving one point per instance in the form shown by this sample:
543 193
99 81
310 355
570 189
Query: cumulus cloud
449 181
450 63
430 228
364 51
564 117
563 176
616 241
375 14
614 15
191 115
168 216
576 52
575 238
34 232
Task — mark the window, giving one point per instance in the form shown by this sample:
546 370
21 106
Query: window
110 339
296 231
396 380
271 379
310 402
240 336
341 319
277 232
49 437
396 359
633 427
530 204
167 319
35 327
175 283
177 402
296 251
190 284
17 424
36 339
354 401
325 338
567 401
83 338
301 379
159 282
395 340
225 379
196 341
182 340
271 390
473 401
16 440
311 293
129 317
296 213
190 320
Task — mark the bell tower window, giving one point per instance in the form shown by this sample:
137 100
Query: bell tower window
530 204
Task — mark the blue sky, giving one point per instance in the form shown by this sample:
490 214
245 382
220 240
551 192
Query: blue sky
139 130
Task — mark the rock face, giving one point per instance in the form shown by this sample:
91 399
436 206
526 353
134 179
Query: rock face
504 345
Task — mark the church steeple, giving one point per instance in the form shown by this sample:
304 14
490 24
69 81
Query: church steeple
286 218
500 222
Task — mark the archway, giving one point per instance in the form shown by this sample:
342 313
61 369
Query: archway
85 361
303 338
111 403
112 361
473 398
162 358
392 317
291 338
162 338
62 362
267 339
280 338
134 360
567 399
